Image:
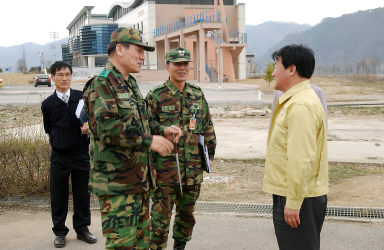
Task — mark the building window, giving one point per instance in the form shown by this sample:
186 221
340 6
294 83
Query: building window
94 39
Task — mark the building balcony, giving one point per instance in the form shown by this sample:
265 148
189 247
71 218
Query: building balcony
185 22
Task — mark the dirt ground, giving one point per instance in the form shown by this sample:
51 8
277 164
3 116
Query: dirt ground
351 184
339 89
355 135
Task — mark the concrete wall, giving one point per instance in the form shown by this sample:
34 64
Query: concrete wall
84 73
144 75
93 21
241 61
146 15
149 27
232 17
151 75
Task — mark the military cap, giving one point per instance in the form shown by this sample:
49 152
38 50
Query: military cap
130 35
178 55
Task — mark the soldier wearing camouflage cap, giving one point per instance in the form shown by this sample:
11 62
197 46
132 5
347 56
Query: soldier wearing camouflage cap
178 103
121 143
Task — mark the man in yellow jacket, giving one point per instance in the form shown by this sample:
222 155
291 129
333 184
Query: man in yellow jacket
296 165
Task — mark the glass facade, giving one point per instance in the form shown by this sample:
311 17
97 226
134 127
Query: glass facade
95 38
101 61
74 44
67 57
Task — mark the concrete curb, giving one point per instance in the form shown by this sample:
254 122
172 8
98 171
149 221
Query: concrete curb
25 92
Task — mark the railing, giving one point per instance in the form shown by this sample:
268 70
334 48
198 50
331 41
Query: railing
230 37
204 16
210 68
209 71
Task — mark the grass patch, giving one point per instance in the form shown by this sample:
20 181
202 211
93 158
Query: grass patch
18 78
234 180
242 180
19 116
338 171
24 161
261 83
376 84
356 110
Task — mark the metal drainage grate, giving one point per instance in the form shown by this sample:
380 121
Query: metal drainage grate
351 212
356 212
255 209
224 207
216 207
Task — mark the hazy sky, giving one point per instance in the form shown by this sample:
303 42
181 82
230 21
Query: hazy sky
32 20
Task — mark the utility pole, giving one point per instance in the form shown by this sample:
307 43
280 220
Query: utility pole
24 61
54 35
42 62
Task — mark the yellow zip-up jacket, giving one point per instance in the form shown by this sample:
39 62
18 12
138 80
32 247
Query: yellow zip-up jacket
296 165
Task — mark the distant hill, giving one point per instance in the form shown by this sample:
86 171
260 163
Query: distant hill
262 36
343 40
10 55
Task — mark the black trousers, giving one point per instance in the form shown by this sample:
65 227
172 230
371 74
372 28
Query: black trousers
62 167
307 235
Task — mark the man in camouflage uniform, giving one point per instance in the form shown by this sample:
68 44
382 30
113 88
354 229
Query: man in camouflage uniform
178 103
121 174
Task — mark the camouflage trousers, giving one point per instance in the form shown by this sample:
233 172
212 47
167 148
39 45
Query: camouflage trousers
163 200
125 221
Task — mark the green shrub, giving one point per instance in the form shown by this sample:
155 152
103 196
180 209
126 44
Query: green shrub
24 163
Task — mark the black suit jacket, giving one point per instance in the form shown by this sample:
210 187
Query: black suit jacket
62 125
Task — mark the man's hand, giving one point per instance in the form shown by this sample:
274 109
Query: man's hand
85 128
291 217
161 145
172 133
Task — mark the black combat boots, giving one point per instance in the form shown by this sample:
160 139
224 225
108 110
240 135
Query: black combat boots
178 245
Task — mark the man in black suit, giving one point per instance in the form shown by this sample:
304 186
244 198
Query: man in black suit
69 142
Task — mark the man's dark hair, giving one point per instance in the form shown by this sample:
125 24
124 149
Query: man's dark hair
300 56
58 65
112 46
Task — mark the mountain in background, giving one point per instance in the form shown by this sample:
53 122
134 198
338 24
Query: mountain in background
10 55
343 40
262 36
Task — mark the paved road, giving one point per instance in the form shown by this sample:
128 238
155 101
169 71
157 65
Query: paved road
32 230
229 93
26 94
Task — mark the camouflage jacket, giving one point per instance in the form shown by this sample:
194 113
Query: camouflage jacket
169 106
120 135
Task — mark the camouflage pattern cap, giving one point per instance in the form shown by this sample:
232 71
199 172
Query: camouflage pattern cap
178 55
130 35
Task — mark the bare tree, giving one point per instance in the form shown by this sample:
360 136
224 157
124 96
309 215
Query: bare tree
373 65
21 66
